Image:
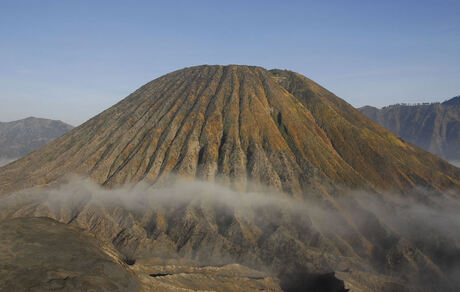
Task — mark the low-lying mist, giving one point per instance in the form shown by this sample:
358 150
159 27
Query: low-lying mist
455 162
5 161
408 234
142 197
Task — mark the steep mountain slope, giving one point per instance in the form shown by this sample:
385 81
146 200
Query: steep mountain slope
278 155
21 137
234 124
433 127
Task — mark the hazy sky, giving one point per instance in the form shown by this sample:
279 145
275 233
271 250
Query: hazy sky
69 60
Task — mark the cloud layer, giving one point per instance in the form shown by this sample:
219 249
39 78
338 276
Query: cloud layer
422 230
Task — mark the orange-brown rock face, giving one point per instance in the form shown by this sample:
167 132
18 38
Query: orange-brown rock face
235 124
245 127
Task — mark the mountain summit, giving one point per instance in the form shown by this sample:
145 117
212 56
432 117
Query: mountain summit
18 138
330 218
234 123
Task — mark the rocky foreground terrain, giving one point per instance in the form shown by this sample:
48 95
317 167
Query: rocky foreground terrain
231 177
21 137
434 127
40 254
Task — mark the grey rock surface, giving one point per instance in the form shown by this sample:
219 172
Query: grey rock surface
40 254
21 137
434 127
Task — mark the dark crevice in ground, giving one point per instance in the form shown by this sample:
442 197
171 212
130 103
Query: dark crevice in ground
159 275
301 281
129 261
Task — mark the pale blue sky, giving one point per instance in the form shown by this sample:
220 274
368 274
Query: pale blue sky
70 60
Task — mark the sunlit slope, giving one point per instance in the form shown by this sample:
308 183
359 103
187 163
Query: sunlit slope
234 124
384 159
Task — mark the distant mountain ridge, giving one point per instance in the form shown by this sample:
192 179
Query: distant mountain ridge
434 127
18 138
453 101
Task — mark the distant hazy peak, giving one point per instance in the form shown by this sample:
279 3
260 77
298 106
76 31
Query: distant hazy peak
36 120
18 138
452 101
